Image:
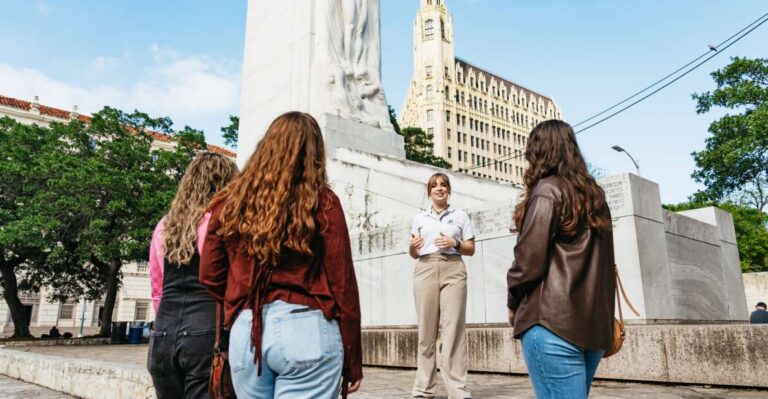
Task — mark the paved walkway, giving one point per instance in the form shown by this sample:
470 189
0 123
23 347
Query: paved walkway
395 383
16 389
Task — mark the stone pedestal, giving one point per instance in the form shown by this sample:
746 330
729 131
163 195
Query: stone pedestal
340 132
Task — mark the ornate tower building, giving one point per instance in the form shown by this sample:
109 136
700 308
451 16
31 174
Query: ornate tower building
480 121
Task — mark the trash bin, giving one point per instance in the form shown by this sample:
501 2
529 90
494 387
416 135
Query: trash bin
118 332
135 334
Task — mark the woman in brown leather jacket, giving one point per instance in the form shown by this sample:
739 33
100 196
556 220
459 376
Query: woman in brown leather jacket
561 284
277 253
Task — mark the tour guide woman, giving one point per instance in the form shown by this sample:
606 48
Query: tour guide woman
439 237
561 285
277 253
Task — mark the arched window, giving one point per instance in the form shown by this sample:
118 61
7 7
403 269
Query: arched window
430 91
429 29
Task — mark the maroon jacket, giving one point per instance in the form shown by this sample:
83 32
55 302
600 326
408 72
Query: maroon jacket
325 281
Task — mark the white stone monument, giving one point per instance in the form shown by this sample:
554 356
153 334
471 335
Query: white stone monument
322 57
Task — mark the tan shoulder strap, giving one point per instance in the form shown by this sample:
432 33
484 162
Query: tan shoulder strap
620 288
219 323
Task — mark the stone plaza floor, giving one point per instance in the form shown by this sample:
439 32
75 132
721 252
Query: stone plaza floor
386 383
11 388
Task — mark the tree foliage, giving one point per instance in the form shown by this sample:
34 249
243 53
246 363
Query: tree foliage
419 146
24 234
84 198
751 231
734 163
231 132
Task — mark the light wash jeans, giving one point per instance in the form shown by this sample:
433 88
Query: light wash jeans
558 369
302 354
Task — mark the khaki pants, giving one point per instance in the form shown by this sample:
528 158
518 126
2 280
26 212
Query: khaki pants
440 291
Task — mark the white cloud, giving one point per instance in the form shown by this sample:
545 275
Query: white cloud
194 90
43 8
103 64
25 83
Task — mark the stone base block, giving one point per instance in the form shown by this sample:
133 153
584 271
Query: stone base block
729 355
79 377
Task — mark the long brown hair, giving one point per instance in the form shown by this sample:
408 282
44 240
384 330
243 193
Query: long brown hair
205 175
270 206
552 151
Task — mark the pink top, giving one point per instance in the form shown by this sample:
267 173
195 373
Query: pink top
156 256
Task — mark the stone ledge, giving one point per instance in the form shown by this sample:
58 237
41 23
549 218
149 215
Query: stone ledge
60 341
82 378
726 355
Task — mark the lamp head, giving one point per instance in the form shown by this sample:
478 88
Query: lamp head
617 148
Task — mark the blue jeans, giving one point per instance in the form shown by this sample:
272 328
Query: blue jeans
302 354
558 369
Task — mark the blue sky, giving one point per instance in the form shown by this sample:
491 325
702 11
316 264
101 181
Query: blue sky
182 59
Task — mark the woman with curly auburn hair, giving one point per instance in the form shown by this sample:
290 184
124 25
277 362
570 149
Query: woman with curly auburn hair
179 359
561 285
277 253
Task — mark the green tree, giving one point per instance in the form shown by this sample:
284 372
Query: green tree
393 119
419 146
231 131
751 231
24 235
110 188
596 171
734 163
78 201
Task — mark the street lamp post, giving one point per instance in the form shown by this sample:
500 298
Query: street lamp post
619 149
82 318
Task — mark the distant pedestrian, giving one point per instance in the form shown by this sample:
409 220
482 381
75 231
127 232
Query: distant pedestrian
182 337
759 315
54 332
561 285
439 237
277 252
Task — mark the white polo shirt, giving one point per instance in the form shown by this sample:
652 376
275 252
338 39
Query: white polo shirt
452 222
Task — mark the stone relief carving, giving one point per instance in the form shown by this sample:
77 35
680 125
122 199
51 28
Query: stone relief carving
351 42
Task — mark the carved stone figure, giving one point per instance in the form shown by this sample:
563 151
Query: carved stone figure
352 46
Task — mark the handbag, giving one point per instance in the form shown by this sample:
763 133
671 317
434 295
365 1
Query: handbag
220 385
619 332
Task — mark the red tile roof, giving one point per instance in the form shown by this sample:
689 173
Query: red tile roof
62 114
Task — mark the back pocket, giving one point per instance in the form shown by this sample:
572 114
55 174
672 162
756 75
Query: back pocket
303 338
240 341
156 355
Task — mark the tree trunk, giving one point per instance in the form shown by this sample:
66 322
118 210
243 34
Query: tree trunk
111 276
11 295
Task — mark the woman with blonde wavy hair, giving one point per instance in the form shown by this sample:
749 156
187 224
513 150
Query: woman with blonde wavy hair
182 337
277 253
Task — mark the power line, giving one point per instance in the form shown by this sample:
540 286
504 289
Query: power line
379 194
716 49
711 49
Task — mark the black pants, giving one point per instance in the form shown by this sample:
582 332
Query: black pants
181 343
180 364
